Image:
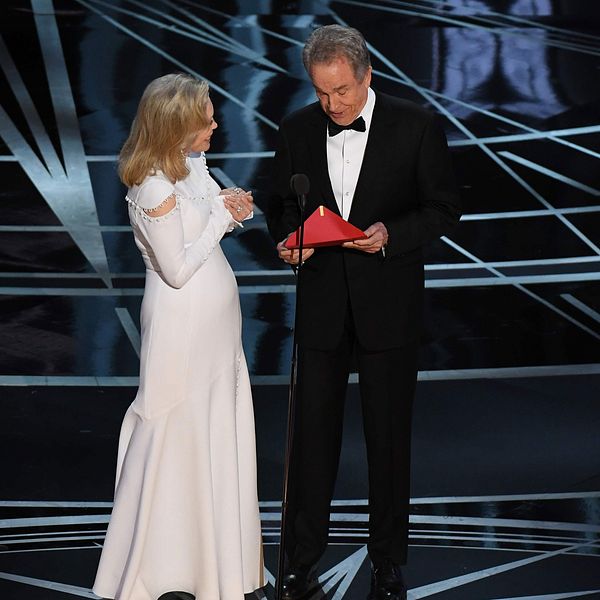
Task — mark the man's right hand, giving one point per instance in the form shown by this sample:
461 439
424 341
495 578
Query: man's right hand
291 257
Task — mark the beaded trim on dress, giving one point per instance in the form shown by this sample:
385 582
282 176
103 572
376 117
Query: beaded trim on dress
159 206
144 212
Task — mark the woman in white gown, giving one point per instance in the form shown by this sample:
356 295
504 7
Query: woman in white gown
185 515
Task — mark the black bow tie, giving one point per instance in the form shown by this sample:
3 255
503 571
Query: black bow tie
358 125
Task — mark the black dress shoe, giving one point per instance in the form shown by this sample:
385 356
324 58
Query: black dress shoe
297 583
387 582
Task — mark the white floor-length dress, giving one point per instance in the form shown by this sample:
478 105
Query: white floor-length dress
185 515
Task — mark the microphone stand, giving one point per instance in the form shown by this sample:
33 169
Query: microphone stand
291 408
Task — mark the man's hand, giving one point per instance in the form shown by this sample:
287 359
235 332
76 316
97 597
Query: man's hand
377 238
291 256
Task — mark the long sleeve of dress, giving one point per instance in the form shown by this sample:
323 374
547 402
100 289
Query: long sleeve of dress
164 235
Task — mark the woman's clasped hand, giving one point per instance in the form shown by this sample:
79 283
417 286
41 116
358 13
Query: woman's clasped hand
238 202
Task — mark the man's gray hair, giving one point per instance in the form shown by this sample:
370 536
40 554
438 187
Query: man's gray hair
327 43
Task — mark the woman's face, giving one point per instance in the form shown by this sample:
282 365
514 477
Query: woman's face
201 141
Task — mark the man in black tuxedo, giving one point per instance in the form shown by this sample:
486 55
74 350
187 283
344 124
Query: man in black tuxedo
383 164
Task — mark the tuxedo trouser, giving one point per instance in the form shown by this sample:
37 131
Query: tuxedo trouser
387 381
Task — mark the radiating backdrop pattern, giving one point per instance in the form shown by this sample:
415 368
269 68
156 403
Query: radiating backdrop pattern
506 477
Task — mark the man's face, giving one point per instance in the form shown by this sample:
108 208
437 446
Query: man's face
341 95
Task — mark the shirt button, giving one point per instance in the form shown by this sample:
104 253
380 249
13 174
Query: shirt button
347 162
347 193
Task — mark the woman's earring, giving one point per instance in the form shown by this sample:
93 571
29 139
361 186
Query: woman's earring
183 154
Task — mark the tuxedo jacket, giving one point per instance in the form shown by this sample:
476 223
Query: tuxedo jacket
406 182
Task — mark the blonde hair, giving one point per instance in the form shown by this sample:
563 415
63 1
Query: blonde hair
172 109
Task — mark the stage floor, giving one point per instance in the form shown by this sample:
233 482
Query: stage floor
506 450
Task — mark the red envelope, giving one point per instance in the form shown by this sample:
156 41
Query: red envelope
324 228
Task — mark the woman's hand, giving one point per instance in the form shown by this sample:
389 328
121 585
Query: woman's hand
240 205
233 191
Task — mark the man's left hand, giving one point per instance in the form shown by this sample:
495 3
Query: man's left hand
377 238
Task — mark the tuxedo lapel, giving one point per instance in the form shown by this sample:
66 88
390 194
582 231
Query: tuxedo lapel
371 160
319 170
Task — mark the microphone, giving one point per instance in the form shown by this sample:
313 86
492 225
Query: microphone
300 185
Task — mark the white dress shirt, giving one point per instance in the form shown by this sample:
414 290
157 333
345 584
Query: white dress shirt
345 152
